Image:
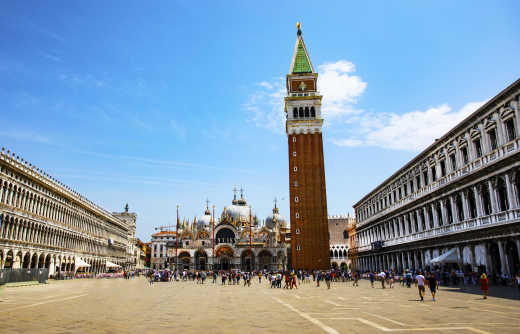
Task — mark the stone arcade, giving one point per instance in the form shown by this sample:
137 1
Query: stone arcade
460 195
45 224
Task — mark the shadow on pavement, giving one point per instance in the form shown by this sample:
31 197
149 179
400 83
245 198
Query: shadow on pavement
494 291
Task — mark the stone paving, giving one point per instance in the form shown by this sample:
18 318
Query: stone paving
121 306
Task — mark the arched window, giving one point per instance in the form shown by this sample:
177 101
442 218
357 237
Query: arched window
502 195
295 112
313 112
301 112
336 253
307 112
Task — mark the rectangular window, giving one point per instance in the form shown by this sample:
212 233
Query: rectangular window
400 193
294 153
411 187
453 162
405 190
510 129
294 139
478 148
493 139
443 168
464 152
425 177
418 181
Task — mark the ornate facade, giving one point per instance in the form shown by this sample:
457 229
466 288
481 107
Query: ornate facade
45 224
341 239
460 195
308 198
236 240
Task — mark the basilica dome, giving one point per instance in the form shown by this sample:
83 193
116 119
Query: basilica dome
239 210
275 218
205 220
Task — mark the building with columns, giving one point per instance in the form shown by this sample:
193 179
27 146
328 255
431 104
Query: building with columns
460 195
341 238
45 224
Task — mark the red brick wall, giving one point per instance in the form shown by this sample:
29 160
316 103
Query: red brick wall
312 223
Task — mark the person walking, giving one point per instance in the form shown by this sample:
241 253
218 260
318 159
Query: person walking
356 277
419 281
371 276
484 285
328 277
433 285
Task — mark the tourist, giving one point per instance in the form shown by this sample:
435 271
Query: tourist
382 276
356 277
328 277
390 279
371 276
518 281
260 277
484 285
433 284
419 281
293 282
318 279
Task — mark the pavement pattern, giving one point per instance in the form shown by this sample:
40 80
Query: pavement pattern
122 306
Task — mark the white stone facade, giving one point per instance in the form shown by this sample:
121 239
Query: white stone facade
462 193
45 224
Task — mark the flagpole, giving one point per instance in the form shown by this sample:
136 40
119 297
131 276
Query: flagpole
213 239
250 238
177 240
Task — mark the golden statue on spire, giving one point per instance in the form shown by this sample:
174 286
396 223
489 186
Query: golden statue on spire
298 25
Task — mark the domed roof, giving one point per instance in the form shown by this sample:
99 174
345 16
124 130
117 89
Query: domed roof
275 218
205 220
239 210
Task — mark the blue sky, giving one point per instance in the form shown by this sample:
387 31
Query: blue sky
175 102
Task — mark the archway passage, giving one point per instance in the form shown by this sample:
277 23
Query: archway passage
26 261
185 260
494 254
8 264
512 258
224 255
201 260
247 260
264 259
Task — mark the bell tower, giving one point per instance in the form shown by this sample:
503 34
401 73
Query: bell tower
308 197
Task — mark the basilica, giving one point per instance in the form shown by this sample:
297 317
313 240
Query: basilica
235 240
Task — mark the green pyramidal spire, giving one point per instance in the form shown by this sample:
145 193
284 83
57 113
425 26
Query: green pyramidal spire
301 61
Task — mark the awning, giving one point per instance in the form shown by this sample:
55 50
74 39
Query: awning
112 265
450 256
79 263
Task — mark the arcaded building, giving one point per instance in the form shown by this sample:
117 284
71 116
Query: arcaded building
308 195
458 199
341 240
45 224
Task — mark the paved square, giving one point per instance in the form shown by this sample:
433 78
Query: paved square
115 306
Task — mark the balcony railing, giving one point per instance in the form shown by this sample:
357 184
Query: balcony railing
500 218
484 161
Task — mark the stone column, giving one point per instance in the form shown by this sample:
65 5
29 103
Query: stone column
478 201
465 204
409 259
419 220
493 195
443 211
398 258
510 194
435 218
517 241
454 210
503 258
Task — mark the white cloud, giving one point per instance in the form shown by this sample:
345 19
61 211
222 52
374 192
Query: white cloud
411 131
339 87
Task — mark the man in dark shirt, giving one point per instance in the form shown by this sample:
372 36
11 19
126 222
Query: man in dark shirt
433 284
